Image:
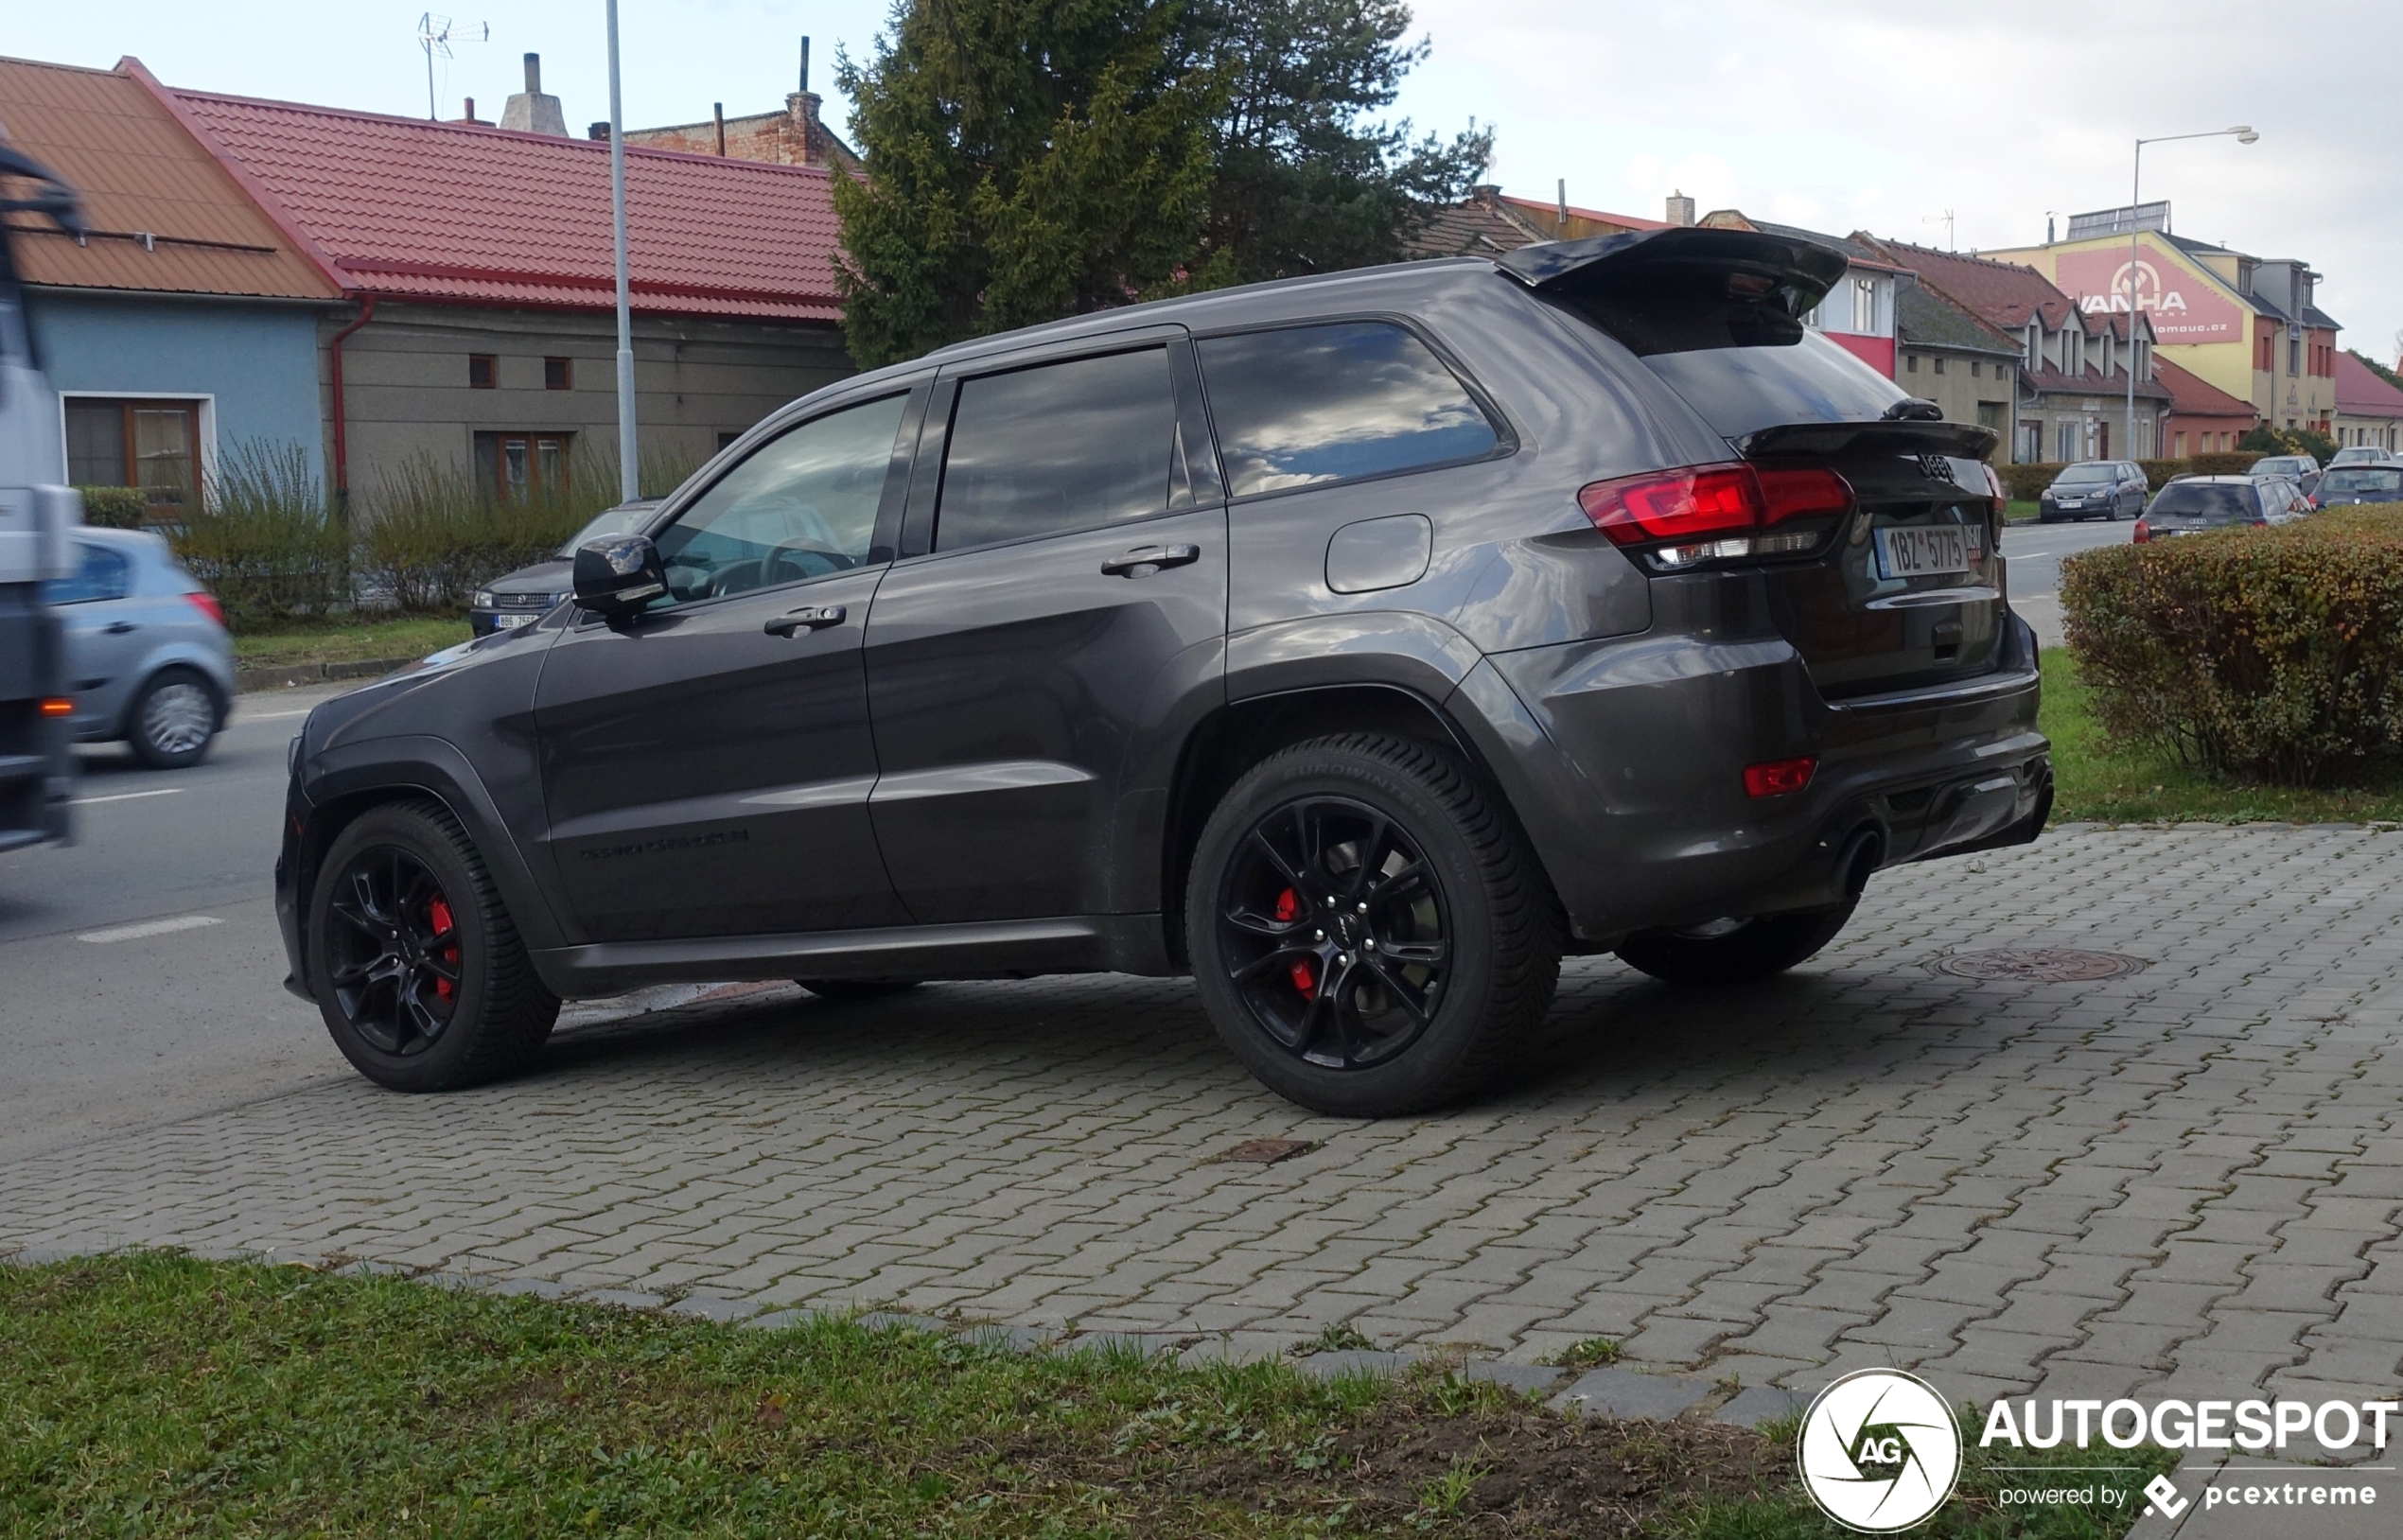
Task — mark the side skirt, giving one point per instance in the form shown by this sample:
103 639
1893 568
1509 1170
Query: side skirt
977 949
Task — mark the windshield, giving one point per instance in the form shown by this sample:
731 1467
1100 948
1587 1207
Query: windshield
2278 465
2363 479
608 521
2079 475
2192 503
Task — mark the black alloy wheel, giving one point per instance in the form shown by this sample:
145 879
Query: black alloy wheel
1369 931
415 964
393 952
1334 930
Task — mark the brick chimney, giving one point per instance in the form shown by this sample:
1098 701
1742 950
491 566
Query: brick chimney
1681 209
530 110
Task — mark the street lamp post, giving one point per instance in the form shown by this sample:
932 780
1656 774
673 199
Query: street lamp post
2244 135
629 466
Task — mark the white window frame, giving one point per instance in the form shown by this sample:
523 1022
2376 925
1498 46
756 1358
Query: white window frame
207 400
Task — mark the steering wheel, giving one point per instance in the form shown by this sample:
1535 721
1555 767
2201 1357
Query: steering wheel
803 559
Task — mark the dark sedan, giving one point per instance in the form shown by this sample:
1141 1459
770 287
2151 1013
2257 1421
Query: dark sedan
529 593
2216 502
2095 489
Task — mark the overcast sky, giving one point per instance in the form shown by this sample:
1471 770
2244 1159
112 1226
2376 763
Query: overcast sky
1835 115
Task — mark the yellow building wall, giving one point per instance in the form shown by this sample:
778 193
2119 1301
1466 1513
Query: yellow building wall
2227 365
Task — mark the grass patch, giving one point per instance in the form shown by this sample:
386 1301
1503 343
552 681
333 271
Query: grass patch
1592 1353
160 1395
2022 513
347 642
2097 779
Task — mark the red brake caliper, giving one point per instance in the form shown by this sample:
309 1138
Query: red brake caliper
438 915
1289 909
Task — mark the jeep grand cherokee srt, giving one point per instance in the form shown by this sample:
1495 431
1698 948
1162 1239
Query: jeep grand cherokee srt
1357 644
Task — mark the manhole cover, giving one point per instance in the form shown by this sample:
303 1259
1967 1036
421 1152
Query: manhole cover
2039 965
1262 1152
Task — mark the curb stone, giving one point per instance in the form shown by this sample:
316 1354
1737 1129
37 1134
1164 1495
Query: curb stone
1527 1379
1625 1394
1355 1361
709 1307
1758 1403
294 676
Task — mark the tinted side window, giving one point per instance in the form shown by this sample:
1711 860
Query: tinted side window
101 574
802 505
1055 447
1307 404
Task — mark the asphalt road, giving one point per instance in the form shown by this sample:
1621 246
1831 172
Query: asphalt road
2035 553
143 972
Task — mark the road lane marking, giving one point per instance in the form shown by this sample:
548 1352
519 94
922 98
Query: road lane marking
150 928
121 797
241 718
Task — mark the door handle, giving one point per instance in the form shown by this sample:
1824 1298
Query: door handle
118 628
1145 560
808 617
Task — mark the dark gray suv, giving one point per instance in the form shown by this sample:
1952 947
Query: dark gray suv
1359 645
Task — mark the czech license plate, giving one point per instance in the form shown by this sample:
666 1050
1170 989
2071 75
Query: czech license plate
511 622
1932 550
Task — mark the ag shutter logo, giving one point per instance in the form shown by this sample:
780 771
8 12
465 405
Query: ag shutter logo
1878 1451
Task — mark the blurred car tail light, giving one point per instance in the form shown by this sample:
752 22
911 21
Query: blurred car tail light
2144 532
1777 778
206 603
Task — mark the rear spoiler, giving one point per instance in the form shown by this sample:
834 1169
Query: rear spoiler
1784 272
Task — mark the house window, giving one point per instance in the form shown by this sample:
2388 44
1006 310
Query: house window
483 371
1864 306
558 375
2294 358
1989 414
2066 442
2178 446
519 466
139 442
1910 365
1975 371
1939 365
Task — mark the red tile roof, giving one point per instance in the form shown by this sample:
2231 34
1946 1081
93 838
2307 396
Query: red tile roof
2191 395
2000 294
2360 392
456 213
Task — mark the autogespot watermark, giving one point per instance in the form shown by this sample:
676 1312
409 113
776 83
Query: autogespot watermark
1880 1452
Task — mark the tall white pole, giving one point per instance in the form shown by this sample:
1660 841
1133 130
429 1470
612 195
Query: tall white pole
629 464
2135 185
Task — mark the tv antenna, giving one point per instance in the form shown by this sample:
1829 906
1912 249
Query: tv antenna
1945 219
435 34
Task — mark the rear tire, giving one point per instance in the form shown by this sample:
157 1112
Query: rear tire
1755 950
1369 931
173 719
846 991
416 965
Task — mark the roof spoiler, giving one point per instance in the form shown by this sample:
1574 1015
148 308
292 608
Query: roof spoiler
1784 272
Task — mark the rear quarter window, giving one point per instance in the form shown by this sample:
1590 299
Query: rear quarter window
1305 405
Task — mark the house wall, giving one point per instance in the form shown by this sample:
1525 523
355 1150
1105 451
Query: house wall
406 380
1962 381
2098 426
2355 428
2204 294
2203 434
251 360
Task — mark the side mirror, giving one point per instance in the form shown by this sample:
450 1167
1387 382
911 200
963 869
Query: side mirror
618 574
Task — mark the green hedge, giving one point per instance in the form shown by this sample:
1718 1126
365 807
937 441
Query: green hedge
2272 655
115 507
2225 462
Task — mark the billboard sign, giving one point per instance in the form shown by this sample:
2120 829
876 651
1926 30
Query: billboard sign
2184 305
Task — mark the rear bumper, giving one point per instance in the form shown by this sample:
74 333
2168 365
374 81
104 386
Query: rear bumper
1626 763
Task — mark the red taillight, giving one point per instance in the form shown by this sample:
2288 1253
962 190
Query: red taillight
2144 532
206 603
1710 502
58 706
1778 777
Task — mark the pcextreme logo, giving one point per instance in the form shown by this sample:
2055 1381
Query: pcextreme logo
1879 1450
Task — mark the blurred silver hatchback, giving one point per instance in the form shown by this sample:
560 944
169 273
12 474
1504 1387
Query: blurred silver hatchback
147 656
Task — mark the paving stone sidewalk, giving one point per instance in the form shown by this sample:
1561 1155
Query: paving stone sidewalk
2188 1179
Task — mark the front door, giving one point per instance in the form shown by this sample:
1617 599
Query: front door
105 636
707 765
1069 618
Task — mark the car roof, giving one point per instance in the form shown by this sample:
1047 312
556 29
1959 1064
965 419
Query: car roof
2220 481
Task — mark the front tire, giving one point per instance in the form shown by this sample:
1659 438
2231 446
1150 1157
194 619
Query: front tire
1369 932
416 967
1745 953
173 720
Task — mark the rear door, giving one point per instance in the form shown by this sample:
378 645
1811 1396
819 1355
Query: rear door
1058 616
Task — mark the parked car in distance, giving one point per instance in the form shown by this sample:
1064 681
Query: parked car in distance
148 659
2302 469
2192 503
2363 454
1358 644
2094 489
2348 486
524 595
